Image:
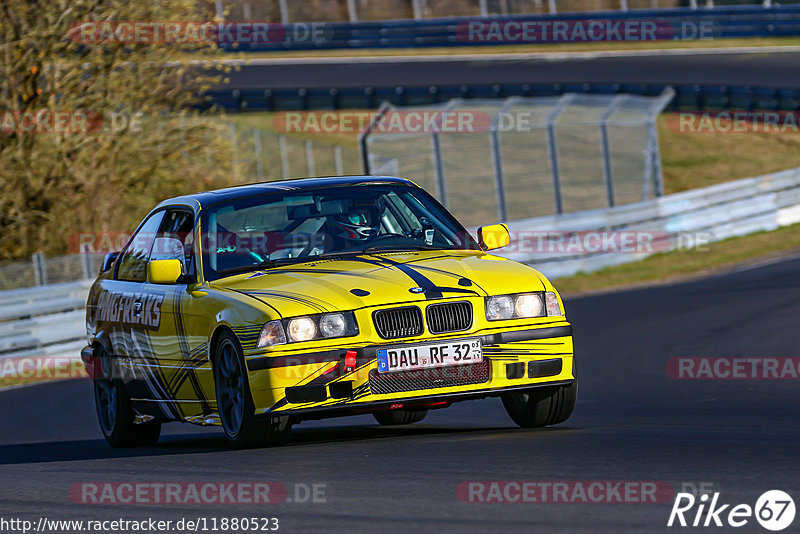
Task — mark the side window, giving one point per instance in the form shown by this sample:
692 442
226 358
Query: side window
175 239
133 264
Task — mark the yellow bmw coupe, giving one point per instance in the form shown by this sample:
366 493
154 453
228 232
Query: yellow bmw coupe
260 306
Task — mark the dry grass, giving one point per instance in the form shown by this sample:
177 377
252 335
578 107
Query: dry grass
682 264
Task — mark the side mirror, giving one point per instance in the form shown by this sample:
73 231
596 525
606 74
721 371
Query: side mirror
493 236
164 271
108 261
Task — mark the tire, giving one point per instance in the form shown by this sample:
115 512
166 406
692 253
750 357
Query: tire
538 407
235 403
400 417
114 412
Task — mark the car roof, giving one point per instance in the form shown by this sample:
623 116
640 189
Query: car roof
208 198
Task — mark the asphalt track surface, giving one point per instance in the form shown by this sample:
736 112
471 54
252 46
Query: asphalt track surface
632 423
773 69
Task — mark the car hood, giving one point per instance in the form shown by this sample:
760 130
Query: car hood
379 279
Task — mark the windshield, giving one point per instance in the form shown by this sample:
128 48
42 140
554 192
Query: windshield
277 228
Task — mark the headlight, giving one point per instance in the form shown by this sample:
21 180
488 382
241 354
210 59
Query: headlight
302 329
522 305
321 326
271 334
332 325
499 308
528 306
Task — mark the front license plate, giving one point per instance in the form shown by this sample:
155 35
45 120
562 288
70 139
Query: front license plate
410 357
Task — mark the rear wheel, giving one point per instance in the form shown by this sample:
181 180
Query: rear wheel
114 412
235 403
400 417
537 407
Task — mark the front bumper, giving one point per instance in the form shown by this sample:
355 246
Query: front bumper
319 384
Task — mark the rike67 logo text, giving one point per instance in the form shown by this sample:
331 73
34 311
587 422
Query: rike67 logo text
774 510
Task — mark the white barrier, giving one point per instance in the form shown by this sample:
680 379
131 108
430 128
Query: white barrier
717 212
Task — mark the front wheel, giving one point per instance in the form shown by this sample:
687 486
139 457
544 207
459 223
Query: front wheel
235 403
537 407
400 417
114 410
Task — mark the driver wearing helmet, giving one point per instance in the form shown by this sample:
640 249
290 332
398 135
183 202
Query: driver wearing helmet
353 229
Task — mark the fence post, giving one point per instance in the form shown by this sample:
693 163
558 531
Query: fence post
284 155
246 12
352 12
363 136
497 163
552 149
623 5
608 174
86 261
257 148
337 160
767 3
693 4
416 6
284 11
497 159
709 3
39 270
234 158
484 8
551 4
220 11
438 168
655 154
310 166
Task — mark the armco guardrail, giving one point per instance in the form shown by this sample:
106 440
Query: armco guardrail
42 327
684 219
688 97
671 24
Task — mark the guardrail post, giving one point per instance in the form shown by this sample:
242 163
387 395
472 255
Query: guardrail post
310 166
284 155
337 160
39 270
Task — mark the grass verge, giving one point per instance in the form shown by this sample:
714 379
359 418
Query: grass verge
687 264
